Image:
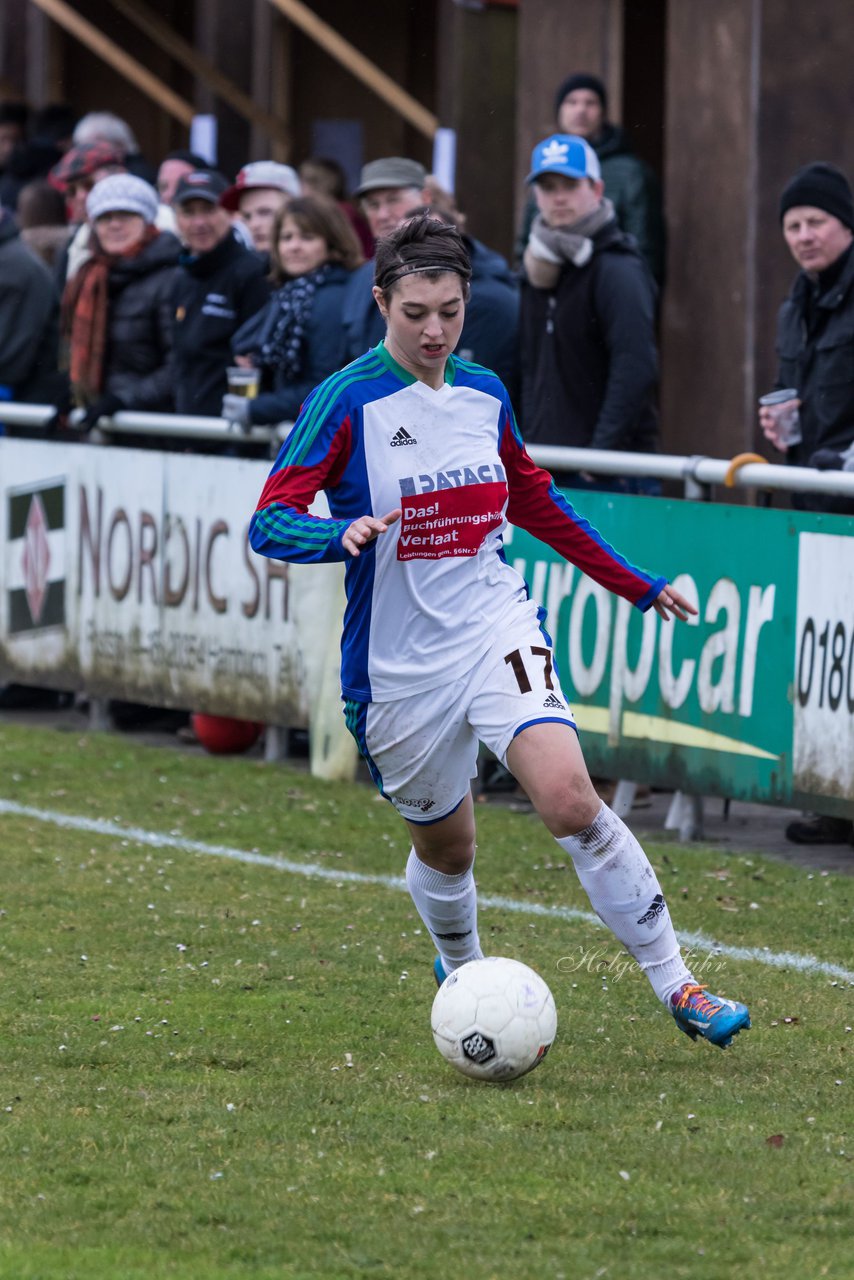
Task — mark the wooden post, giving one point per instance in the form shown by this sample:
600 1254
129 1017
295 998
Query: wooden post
152 25
108 51
358 65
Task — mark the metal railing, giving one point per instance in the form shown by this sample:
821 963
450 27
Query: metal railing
135 422
696 472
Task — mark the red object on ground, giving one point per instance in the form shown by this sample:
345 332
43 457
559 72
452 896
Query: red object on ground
223 735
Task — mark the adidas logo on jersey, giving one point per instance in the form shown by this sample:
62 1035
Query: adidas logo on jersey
402 437
553 704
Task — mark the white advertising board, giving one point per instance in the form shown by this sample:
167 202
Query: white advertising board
823 746
128 573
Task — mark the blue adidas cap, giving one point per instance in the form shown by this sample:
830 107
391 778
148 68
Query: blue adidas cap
565 154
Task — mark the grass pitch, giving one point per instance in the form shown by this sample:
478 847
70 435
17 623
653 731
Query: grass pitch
214 1069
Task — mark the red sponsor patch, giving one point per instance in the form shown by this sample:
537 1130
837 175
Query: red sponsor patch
449 522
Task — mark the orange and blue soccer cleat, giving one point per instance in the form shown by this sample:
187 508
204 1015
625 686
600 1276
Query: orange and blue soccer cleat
698 1013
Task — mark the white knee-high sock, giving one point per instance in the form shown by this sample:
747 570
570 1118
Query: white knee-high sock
625 894
448 907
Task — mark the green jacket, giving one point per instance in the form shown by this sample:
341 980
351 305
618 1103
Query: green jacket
633 189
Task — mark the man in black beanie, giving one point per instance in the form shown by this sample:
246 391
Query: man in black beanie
581 108
815 350
815 347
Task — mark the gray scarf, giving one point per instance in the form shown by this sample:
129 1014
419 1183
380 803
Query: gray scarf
572 243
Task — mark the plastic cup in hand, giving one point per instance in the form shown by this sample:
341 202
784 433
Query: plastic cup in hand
787 419
243 381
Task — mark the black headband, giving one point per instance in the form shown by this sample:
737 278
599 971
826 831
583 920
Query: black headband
407 270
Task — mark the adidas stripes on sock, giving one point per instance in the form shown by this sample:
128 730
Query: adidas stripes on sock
625 894
448 907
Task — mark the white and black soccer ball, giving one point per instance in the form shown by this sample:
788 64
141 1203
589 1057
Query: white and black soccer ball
494 1019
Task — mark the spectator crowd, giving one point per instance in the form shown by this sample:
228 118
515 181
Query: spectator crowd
135 287
125 286
130 287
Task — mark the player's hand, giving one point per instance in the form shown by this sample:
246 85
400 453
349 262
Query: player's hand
363 531
669 601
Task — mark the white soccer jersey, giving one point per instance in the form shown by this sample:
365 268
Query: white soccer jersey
424 599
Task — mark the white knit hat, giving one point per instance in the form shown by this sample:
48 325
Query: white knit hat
122 193
259 175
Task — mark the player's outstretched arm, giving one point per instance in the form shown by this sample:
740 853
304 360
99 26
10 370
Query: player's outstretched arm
365 529
669 601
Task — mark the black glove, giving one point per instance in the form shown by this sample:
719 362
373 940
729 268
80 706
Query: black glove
62 404
826 460
56 423
104 407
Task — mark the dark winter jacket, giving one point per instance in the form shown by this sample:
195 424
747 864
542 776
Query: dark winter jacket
215 293
140 312
29 319
589 360
323 348
815 350
363 325
490 332
635 193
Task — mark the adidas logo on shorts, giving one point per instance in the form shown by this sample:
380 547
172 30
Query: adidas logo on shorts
553 704
402 437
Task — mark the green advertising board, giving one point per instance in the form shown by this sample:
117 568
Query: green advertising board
754 698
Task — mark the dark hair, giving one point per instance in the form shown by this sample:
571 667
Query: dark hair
199 163
14 113
433 211
55 122
322 218
40 205
325 174
421 244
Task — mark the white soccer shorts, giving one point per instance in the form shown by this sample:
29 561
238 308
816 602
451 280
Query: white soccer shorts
422 751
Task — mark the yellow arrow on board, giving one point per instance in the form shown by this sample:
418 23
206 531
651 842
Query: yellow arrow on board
672 732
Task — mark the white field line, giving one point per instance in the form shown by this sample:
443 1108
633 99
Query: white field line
309 870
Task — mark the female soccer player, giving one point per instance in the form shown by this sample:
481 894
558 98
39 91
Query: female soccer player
423 465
